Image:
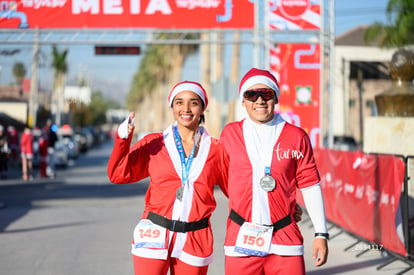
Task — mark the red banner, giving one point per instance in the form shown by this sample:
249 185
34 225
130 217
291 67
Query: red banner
362 193
295 14
161 14
297 68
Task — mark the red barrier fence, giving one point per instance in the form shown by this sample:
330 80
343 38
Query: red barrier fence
362 194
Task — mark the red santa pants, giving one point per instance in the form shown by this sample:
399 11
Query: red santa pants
269 265
146 266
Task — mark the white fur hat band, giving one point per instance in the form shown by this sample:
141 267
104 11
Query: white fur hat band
188 86
257 76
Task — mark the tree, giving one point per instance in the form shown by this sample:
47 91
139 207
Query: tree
60 68
400 31
160 64
19 72
94 113
160 67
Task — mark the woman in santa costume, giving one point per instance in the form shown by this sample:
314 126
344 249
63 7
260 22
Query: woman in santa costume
270 160
184 164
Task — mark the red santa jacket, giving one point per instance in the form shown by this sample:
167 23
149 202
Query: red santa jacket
26 143
156 156
292 166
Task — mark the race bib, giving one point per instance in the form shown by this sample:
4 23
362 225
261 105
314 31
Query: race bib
254 239
149 235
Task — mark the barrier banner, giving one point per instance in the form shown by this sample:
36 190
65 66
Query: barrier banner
160 14
361 195
297 68
295 15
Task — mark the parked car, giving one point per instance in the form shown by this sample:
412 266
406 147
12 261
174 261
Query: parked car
67 137
81 139
61 155
88 136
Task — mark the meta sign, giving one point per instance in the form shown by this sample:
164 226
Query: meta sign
161 14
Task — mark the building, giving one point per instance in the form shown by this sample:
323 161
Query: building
361 73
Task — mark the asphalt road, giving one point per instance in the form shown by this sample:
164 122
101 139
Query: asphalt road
80 223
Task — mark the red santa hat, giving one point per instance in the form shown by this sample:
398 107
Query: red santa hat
257 76
188 86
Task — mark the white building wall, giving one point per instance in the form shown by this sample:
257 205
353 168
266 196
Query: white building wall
344 55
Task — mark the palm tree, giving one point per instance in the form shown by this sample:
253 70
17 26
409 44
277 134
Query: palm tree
19 72
60 68
161 66
400 31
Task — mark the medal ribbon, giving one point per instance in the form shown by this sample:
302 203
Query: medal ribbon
185 165
267 171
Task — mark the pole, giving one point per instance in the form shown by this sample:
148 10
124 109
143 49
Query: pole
33 83
322 114
360 99
267 40
331 57
256 44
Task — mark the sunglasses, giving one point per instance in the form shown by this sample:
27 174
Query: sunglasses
264 93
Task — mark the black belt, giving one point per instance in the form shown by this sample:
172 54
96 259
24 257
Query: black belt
177 226
234 216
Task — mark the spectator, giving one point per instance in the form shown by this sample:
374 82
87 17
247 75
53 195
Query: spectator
26 149
13 142
52 139
43 152
4 153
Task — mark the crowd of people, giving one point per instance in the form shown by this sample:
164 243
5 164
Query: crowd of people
17 150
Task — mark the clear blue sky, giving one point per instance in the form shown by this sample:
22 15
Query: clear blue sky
113 74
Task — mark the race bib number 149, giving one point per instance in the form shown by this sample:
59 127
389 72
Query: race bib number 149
149 235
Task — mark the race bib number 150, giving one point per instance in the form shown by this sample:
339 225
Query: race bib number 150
254 239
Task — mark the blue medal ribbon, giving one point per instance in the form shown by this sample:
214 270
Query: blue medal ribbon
185 165
267 171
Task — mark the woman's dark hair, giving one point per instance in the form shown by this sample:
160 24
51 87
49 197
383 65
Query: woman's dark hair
202 117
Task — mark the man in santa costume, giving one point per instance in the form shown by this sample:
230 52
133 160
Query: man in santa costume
270 160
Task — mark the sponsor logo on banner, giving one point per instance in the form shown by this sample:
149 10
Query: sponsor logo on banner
295 14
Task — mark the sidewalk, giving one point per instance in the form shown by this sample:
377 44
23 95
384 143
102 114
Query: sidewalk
348 255
14 175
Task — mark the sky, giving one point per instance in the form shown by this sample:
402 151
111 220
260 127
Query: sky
113 74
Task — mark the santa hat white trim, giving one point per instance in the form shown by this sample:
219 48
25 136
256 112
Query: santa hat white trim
188 86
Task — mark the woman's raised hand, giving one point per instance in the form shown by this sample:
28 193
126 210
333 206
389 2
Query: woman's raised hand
131 122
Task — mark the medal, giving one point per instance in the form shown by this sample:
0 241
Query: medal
180 192
185 164
267 183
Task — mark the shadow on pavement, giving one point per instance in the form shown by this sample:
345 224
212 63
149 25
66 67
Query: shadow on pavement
87 179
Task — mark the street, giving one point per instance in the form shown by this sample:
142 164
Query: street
80 223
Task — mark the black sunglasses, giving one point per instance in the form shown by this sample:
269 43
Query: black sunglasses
264 93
